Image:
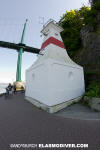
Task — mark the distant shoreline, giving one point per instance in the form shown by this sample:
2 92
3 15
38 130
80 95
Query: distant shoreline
2 88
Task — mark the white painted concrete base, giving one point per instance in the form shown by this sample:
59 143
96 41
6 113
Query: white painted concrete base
52 109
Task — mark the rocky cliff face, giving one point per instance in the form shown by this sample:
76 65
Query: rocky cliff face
91 47
89 56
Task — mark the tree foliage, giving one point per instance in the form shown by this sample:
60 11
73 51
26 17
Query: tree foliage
72 22
91 17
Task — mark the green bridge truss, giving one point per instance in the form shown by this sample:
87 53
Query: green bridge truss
21 47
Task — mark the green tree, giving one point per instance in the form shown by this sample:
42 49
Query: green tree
90 18
72 22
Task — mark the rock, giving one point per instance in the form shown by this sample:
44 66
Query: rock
95 103
91 46
86 98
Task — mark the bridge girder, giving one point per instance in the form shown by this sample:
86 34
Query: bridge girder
18 46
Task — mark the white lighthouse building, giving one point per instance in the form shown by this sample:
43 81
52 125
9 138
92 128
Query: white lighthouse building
54 80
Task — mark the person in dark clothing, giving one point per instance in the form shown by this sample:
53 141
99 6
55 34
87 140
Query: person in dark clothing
8 89
14 88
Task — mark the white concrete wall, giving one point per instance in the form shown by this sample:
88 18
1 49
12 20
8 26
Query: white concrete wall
65 82
54 78
56 53
52 82
37 82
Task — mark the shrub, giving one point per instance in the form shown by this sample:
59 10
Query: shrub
93 90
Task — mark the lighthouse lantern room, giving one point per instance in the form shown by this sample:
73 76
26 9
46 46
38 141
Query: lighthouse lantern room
54 81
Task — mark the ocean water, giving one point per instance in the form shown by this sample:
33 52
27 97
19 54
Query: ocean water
2 87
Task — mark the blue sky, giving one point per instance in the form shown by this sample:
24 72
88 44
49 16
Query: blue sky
12 17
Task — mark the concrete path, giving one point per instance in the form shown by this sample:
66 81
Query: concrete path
79 111
21 122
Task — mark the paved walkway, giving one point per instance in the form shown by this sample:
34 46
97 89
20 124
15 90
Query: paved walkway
79 111
21 122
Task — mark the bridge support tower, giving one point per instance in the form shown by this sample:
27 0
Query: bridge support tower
19 83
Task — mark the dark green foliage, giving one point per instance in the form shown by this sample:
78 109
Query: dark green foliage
90 18
93 90
94 1
86 103
90 77
72 22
